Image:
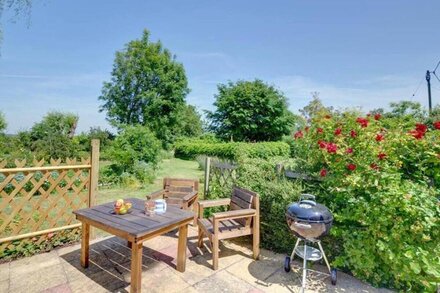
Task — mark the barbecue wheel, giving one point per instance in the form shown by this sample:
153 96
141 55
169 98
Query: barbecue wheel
287 264
333 276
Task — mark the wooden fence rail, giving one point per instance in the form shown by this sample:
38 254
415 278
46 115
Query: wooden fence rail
39 199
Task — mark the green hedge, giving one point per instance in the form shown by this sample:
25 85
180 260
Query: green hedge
231 150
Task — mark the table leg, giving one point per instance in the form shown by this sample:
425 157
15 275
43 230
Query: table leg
181 248
136 267
85 245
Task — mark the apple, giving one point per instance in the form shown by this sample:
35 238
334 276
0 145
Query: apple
128 205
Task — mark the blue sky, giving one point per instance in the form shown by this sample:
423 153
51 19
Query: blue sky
355 53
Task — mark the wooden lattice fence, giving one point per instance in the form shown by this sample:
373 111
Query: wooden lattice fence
223 173
37 199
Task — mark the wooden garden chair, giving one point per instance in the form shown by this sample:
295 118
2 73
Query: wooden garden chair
180 192
243 218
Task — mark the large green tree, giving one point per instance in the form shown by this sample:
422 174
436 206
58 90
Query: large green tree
190 123
53 135
250 111
148 87
3 123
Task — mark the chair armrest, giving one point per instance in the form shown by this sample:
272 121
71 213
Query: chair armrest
156 194
190 195
214 202
236 214
201 205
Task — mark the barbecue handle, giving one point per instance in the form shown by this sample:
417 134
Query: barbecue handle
303 226
307 198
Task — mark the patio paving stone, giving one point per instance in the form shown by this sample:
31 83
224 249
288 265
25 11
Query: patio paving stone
59 271
4 286
223 281
34 263
38 280
4 271
165 280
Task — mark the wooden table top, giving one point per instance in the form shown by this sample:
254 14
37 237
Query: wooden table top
135 223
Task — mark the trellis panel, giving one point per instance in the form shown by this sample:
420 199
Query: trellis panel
38 198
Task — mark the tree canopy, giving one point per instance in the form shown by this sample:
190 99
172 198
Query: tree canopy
315 107
250 111
3 123
52 136
148 87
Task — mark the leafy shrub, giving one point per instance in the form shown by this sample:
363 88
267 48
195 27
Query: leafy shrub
135 154
28 247
231 150
380 179
135 143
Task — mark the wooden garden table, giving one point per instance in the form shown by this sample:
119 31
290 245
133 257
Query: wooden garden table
135 227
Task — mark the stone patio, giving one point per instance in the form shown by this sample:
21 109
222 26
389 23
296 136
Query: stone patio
109 271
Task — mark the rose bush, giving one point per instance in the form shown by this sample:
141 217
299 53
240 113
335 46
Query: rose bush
381 179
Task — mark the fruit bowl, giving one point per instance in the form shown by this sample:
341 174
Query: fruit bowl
121 208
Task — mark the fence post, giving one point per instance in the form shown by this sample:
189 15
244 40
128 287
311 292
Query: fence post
94 175
207 171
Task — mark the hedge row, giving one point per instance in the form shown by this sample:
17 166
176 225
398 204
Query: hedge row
231 150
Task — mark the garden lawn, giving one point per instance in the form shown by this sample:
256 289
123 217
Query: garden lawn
167 168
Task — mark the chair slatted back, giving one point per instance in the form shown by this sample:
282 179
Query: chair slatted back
243 199
179 186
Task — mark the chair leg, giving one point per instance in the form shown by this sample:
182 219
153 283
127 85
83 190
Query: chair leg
215 253
195 213
200 240
256 237
256 246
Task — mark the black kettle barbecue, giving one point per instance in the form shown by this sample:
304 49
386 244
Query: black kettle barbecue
309 221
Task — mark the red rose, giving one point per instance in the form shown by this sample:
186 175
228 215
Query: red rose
379 137
416 134
322 144
349 151
421 127
331 147
319 130
420 131
298 134
351 167
436 125
338 131
362 121
323 173
381 156
377 116
353 133
374 166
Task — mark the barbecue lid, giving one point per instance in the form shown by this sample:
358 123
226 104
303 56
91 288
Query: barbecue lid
308 210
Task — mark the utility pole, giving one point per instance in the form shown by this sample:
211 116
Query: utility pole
428 80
